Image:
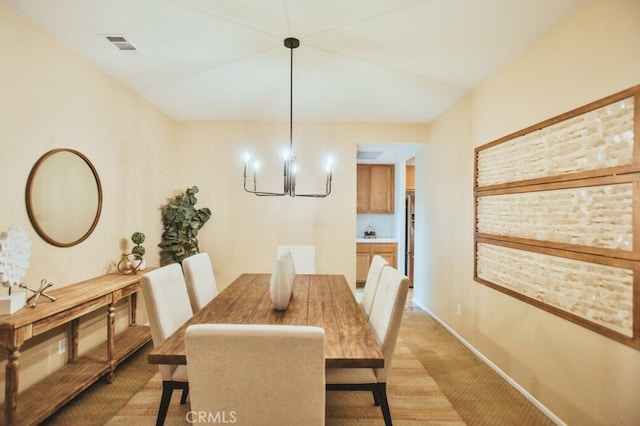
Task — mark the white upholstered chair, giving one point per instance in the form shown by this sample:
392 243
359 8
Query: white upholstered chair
257 374
385 318
371 284
304 257
168 307
201 283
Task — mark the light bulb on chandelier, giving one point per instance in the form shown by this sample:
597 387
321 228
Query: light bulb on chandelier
290 168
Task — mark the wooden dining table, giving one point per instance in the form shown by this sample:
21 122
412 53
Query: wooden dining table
320 300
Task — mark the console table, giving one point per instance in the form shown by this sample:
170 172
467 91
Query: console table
45 397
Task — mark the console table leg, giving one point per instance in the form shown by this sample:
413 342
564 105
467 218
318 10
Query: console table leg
12 372
111 333
74 340
133 300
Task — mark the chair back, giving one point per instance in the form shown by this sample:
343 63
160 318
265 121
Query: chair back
304 257
167 303
201 283
386 314
371 284
257 374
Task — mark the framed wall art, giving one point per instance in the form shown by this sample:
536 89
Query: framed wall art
557 216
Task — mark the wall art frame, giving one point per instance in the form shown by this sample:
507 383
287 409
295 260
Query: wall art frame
557 216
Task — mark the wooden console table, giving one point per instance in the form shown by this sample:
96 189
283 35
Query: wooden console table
45 397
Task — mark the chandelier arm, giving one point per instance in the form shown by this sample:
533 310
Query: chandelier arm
313 195
327 189
260 193
266 194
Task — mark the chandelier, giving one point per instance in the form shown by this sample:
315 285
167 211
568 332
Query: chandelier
290 168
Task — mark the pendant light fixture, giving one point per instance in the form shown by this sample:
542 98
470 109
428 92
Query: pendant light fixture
288 155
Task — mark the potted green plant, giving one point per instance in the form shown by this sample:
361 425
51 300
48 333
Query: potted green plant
181 222
138 251
130 263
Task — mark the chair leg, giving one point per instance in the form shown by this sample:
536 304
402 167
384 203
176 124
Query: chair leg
381 391
167 390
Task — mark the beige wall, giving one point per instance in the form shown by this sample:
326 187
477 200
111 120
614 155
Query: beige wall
580 376
244 230
51 98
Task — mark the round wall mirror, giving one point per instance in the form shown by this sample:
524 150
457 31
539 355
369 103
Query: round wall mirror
64 197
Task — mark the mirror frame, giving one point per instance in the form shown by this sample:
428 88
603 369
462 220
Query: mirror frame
30 206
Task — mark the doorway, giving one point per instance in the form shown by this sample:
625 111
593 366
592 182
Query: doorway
400 155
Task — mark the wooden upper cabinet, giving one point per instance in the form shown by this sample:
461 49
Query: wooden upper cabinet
376 183
411 178
364 188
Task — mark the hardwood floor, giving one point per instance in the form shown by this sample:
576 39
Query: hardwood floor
477 394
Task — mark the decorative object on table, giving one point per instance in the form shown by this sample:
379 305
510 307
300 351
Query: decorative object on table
290 269
130 263
181 222
281 284
125 265
15 251
288 155
41 291
370 232
138 251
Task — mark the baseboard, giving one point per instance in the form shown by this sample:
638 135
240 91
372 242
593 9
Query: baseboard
555 419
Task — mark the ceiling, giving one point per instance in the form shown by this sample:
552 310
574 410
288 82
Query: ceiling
403 61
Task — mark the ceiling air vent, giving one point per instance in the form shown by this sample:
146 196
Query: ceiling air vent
369 155
120 42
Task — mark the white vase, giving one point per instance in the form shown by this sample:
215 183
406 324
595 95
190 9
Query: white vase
279 286
13 302
290 269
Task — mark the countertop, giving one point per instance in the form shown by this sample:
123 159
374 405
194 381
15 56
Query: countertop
376 240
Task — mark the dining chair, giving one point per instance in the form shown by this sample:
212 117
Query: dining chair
304 257
371 284
257 373
200 280
165 297
385 318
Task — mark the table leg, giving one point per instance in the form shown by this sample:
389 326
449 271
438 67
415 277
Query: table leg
74 340
134 309
12 372
111 333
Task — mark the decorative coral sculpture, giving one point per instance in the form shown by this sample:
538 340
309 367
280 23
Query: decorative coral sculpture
15 251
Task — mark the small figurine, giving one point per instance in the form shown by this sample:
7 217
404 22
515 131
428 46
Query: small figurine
44 285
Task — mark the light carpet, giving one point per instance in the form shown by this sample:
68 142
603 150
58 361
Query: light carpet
414 399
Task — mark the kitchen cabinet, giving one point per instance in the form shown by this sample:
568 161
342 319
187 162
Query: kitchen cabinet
375 189
411 178
364 254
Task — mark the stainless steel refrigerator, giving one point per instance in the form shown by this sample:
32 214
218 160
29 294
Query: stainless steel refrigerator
409 233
